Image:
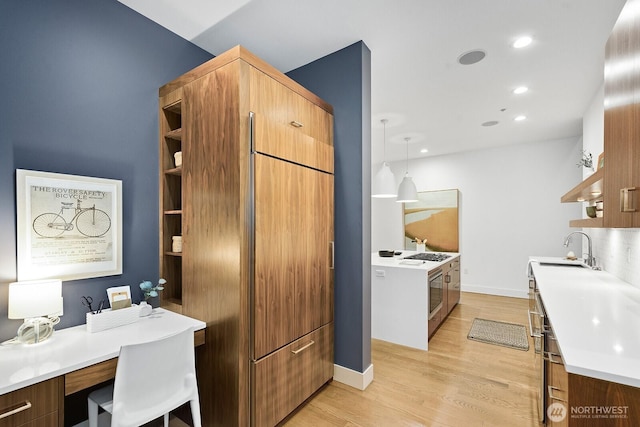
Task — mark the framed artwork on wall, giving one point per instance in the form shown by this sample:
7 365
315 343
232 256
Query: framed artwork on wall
433 217
68 226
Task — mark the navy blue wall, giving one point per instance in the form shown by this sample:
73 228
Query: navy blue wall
79 82
344 80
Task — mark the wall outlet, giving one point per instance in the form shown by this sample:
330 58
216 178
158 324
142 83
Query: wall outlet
379 273
466 271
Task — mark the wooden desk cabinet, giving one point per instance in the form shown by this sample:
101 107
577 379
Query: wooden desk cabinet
36 405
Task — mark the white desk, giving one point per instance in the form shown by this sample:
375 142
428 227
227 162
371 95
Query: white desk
72 349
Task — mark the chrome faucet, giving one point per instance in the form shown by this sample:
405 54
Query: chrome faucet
590 261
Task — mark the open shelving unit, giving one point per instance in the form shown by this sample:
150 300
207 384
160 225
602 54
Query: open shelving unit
589 190
171 204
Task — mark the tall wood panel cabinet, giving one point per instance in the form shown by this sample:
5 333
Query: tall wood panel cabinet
622 121
253 202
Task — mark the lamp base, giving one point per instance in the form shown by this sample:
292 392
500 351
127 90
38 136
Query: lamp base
36 329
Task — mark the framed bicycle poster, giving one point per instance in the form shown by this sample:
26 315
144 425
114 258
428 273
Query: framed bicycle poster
69 226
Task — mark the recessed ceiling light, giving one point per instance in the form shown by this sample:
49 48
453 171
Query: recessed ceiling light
520 118
472 57
424 150
520 90
521 42
490 123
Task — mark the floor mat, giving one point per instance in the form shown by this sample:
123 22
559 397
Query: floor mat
499 333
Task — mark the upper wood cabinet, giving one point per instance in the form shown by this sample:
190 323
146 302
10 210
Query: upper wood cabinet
618 183
622 121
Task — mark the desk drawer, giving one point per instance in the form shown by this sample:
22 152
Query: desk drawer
34 404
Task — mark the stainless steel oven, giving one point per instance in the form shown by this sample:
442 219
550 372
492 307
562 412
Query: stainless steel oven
536 330
435 291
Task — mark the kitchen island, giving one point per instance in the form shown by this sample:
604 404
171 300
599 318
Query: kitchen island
402 309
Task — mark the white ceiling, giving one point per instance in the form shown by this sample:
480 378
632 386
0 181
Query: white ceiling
416 81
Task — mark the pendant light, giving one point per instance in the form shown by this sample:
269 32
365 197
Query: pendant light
407 192
384 183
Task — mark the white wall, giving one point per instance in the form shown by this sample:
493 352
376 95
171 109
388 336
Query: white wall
509 208
616 250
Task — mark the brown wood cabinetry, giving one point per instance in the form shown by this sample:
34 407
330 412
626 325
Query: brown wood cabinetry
590 402
450 294
622 121
618 183
452 281
36 405
253 202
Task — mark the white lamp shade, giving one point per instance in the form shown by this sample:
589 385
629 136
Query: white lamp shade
35 298
407 192
384 183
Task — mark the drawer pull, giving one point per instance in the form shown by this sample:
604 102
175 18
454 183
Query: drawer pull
625 206
296 124
18 408
551 388
304 347
549 356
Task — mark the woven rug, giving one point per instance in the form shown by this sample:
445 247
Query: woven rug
499 333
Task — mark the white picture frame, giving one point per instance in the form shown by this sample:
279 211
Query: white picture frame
68 226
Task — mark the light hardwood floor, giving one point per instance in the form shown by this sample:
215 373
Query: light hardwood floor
458 382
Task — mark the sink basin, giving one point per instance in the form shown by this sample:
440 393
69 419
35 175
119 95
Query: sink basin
563 262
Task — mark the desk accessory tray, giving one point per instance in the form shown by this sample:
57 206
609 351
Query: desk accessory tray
108 318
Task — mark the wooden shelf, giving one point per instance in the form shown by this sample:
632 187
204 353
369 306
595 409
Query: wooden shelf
588 190
173 212
173 253
175 134
175 107
175 171
587 223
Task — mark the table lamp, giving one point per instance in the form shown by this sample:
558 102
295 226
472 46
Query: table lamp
39 303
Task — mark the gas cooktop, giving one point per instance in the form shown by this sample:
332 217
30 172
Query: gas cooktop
429 256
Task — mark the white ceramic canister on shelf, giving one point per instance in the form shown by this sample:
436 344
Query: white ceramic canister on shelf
178 158
176 245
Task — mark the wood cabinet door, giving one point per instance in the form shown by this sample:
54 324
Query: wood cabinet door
293 287
287 377
621 127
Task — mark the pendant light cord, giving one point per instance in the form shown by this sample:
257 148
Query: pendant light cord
384 141
407 168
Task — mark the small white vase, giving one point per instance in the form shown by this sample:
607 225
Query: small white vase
145 308
420 247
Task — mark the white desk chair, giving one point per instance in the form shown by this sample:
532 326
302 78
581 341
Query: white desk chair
152 379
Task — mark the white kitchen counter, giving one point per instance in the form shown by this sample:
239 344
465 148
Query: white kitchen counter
398 261
596 320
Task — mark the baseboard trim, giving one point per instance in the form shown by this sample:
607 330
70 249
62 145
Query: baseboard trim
495 291
355 379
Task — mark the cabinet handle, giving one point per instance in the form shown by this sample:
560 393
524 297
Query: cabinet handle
447 279
549 356
551 388
304 347
333 255
624 199
22 407
296 124
533 334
